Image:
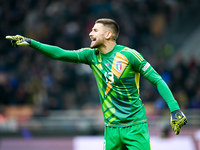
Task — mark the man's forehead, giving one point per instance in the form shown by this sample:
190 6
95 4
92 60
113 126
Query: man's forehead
98 25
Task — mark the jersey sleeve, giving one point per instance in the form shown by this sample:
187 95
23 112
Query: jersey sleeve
140 65
77 56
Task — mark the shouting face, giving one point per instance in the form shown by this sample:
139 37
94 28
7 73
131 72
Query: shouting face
98 35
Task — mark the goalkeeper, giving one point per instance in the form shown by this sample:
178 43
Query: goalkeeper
117 70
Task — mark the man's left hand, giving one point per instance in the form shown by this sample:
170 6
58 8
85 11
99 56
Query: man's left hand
178 119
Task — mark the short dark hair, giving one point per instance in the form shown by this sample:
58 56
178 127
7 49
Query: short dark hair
111 24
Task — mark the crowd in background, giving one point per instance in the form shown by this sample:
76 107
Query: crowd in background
28 77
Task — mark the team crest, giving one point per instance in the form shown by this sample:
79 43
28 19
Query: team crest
119 65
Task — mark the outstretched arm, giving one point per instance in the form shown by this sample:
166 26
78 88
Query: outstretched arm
53 52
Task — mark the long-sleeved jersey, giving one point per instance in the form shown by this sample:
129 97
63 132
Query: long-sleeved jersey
117 75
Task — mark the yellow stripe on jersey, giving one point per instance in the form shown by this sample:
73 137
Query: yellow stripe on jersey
124 60
99 82
109 86
106 104
147 72
112 119
137 80
127 92
108 109
134 53
109 112
77 55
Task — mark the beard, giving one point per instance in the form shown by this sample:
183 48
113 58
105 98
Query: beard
97 43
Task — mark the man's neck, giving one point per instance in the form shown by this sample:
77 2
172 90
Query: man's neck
107 47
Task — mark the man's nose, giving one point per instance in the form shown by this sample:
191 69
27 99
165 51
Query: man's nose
90 34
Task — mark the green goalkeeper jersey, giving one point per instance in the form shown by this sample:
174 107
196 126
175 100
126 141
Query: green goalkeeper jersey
117 74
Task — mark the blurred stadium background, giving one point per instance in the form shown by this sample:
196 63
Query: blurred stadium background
47 104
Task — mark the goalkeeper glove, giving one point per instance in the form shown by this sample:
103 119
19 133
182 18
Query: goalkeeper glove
178 119
19 40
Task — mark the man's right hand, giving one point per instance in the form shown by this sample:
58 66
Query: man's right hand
19 40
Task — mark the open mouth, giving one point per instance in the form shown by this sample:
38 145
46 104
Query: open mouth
93 39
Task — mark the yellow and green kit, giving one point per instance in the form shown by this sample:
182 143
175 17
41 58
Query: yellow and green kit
117 75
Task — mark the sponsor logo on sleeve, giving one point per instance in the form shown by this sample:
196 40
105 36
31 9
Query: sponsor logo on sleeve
80 50
146 66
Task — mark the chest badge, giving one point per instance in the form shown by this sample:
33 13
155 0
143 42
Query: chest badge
119 65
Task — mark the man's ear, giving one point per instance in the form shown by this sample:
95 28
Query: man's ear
108 35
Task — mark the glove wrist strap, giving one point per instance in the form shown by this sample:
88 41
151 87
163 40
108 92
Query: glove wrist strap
27 40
